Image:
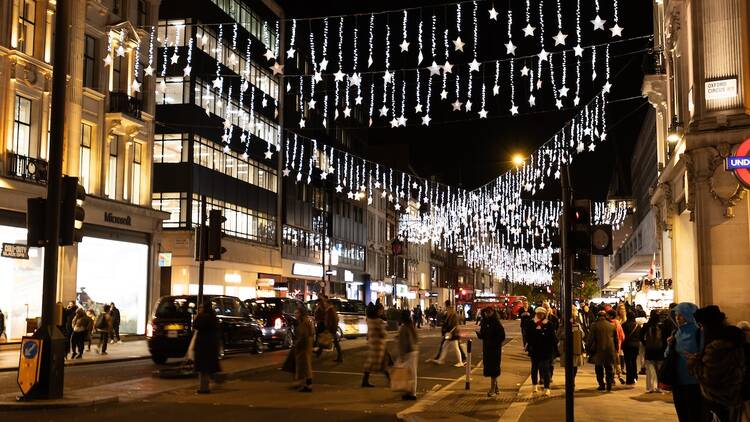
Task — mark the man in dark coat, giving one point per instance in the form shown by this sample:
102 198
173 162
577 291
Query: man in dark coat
492 334
206 346
114 312
67 325
601 347
332 326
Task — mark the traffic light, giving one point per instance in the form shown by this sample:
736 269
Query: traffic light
36 218
71 211
601 240
215 220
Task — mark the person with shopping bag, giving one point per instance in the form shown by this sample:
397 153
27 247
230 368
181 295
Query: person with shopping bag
299 359
492 334
404 372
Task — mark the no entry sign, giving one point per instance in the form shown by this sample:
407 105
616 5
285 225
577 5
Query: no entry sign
740 163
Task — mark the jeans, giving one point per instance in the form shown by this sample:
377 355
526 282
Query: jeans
631 364
652 369
601 370
77 339
103 340
115 333
688 402
541 368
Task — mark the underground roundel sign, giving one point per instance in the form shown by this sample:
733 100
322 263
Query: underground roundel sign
739 163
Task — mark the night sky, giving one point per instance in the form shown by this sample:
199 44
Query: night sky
469 153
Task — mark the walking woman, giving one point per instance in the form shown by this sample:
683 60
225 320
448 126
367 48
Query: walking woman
686 341
492 334
375 345
630 347
303 349
577 342
541 347
409 351
206 327
80 327
654 343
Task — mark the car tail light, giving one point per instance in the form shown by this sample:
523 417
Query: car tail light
150 329
278 323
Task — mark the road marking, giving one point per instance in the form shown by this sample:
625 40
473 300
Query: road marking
359 374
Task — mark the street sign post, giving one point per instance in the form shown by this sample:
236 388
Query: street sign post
28 363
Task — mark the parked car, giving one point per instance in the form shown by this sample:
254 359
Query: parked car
276 317
352 319
170 329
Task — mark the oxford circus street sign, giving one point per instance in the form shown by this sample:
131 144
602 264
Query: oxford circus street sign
739 163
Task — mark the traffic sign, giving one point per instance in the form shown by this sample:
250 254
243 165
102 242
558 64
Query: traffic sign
739 163
29 363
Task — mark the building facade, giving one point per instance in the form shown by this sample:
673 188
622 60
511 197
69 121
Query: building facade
108 144
218 143
699 85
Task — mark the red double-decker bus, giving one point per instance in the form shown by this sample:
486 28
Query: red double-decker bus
507 305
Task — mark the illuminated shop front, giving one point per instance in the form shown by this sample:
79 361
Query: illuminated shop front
20 285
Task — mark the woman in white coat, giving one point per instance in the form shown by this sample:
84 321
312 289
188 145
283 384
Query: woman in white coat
408 351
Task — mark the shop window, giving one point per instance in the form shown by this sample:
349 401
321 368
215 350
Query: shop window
22 126
170 148
175 204
174 90
89 62
111 190
136 177
116 85
84 168
26 18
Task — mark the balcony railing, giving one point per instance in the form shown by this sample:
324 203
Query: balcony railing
121 102
27 168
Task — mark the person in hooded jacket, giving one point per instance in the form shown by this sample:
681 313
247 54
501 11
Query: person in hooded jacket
542 348
492 334
654 341
720 366
686 341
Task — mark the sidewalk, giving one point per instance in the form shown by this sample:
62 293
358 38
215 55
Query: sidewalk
118 352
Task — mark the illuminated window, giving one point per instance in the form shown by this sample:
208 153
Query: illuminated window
135 195
89 62
111 190
84 168
22 126
26 20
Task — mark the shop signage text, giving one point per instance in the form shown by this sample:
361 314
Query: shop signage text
740 163
307 270
721 89
12 250
116 219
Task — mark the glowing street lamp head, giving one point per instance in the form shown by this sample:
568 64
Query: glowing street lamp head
518 160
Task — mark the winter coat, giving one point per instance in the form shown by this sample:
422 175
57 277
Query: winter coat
375 345
407 339
451 323
207 343
115 313
492 334
303 348
601 342
82 324
632 333
652 330
331 320
720 368
687 340
577 344
541 340
104 320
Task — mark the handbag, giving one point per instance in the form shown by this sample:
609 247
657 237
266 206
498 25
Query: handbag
667 374
402 378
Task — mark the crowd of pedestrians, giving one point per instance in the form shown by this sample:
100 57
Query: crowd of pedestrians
81 326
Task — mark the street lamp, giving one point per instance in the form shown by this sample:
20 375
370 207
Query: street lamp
518 160
674 133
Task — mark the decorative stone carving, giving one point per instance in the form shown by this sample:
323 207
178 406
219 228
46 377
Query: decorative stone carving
724 187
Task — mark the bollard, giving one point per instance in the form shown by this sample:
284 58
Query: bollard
468 364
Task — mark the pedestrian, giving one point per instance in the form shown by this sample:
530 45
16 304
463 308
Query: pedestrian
601 349
409 352
720 366
654 343
67 326
578 347
685 341
3 336
542 348
206 332
451 338
114 312
619 338
492 334
103 326
332 326
630 347
302 350
375 345
525 316
745 327
80 327
90 332
620 319
319 315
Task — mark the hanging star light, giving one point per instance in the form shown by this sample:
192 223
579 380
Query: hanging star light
173 60
468 105
434 69
394 122
447 67
121 51
269 55
560 38
149 71
532 100
496 89
474 66
578 50
323 65
388 77
418 108
543 55
458 45
514 109
510 48
302 122
525 71
402 121
528 31
493 14
290 53
616 30
404 46
347 112
563 92
598 23
278 69
318 77
358 100
135 86
443 95
186 71
339 76
457 105
108 62
311 104
482 114
383 111
268 154
355 79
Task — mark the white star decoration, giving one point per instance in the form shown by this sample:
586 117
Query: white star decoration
394 122
148 70
269 54
404 46
493 14
311 104
302 122
108 60
616 30
598 23
468 105
323 65
355 79
217 83
174 58
347 112
525 71
458 45
559 104
402 121
318 77
607 87
358 100
388 77
578 50
383 111
268 154
443 95
482 114
514 110
564 91
426 120
434 69
474 66
136 86
457 105
447 67
532 100
290 53
543 55
529 30
121 51
285 172
510 48
339 76
420 57
186 71
495 89
418 108
560 38
278 69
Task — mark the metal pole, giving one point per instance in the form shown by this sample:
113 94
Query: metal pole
202 251
52 374
467 378
325 235
567 284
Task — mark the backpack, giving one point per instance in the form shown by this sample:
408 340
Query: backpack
101 323
654 339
